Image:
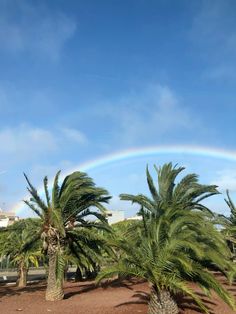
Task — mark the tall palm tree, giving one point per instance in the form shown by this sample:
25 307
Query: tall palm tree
174 244
15 244
64 218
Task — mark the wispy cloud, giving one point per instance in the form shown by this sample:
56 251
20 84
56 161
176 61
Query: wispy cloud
27 142
38 171
220 72
153 114
129 208
34 28
213 33
226 179
23 139
74 135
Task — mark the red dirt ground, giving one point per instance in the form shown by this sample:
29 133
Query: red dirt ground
85 298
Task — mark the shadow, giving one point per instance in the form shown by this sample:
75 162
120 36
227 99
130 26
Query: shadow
187 303
84 287
13 290
142 298
81 289
184 302
232 289
117 283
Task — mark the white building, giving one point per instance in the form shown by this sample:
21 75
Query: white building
114 216
7 218
134 218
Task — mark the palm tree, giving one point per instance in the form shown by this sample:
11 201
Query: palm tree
175 243
65 223
89 255
21 252
187 194
229 224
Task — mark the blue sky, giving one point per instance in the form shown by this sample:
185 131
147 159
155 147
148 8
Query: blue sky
82 79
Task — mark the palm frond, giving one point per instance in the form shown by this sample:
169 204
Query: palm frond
45 183
56 192
35 198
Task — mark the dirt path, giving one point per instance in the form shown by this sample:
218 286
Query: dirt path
85 298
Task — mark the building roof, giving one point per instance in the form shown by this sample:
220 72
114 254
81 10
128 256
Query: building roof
6 214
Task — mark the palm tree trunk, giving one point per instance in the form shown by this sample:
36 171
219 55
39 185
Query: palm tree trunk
54 290
162 303
22 276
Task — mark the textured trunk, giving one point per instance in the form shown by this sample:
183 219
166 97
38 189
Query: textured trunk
22 276
55 278
162 303
54 290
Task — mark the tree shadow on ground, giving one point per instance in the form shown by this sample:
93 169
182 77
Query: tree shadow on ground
81 289
232 290
118 283
142 298
8 291
187 303
84 287
184 303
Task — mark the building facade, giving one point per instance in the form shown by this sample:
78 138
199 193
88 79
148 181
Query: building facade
7 218
114 216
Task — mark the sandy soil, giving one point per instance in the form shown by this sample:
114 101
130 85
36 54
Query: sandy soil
85 298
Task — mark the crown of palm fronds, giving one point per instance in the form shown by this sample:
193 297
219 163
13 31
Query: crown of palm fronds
232 207
169 255
65 213
176 241
187 193
18 242
69 203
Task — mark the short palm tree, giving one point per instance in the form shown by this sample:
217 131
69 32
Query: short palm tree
16 246
65 222
229 224
174 244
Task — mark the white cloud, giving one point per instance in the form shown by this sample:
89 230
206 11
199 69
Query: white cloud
38 171
35 150
146 116
129 208
74 135
33 28
220 72
26 142
22 140
226 179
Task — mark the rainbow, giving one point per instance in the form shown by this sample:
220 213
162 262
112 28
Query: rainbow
143 152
